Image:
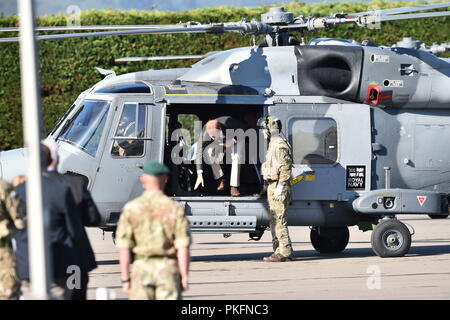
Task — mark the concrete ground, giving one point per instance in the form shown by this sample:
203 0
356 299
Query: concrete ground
233 269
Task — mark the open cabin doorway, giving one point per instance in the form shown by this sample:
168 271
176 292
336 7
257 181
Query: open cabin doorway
184 128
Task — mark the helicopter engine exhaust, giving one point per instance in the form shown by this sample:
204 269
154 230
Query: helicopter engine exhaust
333 71
382 76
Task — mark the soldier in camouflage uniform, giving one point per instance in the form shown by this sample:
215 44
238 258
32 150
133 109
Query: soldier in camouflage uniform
154 229
277 173
9 282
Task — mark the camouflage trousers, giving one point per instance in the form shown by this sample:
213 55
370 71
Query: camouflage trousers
9 282
58 290
155 279
278 223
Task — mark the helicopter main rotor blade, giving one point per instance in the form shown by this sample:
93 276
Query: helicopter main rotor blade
88 28
254 27
139 59
415 16
401 10
313 23
247 28
116 33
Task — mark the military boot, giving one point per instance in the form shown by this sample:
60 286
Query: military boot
267 259
277 258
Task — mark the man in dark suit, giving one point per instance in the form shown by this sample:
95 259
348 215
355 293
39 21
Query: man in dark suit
64 233
89 216
89 212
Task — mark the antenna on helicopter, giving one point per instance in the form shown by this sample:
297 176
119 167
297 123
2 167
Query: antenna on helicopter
106 73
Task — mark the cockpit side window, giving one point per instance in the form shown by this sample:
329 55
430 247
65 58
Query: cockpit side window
130 133
127 122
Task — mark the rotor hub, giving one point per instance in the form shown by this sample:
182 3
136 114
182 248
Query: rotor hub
276 16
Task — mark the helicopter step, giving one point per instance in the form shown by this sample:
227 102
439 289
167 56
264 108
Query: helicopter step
225 214
226 224
390 202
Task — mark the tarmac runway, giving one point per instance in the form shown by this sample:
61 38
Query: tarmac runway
232 268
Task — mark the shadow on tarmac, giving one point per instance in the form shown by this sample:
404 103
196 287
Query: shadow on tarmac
107 262
311 255
307 255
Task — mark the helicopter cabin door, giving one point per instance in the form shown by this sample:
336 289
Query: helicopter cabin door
132 140
331 148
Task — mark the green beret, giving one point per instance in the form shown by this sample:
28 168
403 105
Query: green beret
155 168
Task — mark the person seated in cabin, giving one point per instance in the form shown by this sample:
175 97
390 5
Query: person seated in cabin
127 147
212 148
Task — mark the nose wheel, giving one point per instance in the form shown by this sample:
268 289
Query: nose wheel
391 238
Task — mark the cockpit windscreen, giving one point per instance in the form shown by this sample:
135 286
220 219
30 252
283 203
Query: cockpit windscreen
84 130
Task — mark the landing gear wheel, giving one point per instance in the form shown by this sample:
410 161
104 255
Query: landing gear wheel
438 216
391 238
329 240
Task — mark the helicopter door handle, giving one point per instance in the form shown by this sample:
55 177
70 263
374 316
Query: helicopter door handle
140 166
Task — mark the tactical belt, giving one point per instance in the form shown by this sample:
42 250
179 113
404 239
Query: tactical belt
144 257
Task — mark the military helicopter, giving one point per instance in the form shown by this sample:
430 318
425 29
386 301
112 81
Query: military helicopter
368 126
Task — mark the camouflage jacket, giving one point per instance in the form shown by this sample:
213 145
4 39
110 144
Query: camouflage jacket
9 213
153 225
278 163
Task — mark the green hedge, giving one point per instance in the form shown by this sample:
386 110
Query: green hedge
68 66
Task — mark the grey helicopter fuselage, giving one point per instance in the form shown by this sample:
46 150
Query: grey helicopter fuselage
368 126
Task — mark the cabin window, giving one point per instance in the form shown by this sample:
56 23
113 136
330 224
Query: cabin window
130 133
313 141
